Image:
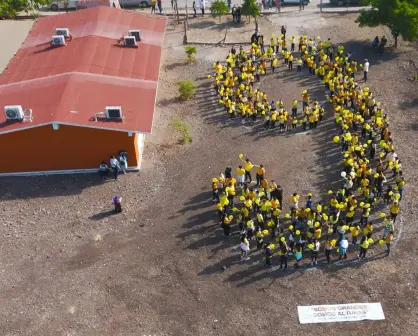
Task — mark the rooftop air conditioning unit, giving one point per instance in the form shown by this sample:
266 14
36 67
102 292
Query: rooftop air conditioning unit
14 112
58 40
136 33
62 31
114 112
129 41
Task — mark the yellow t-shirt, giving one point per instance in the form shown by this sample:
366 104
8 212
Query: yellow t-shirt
248 166
240 171
394 208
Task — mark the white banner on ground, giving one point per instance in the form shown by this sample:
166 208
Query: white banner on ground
340 313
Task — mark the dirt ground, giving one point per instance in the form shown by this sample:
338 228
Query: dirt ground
70 267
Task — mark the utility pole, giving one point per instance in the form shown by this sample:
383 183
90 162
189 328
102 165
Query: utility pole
320 6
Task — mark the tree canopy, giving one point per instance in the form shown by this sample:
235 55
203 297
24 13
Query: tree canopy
218 8
400 16
251 9
9 8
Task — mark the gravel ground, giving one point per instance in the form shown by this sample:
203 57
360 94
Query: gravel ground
69 267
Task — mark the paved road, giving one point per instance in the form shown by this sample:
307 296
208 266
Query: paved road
313 6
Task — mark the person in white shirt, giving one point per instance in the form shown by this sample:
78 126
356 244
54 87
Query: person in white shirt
366 69
202 6
391 157
348 183
115 166
245 247
315 250
343 248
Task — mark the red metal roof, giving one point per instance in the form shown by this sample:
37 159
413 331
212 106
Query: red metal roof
70 84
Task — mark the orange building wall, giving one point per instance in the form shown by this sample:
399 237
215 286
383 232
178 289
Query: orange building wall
69 147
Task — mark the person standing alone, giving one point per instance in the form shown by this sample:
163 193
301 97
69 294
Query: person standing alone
194 9
366 69
202 7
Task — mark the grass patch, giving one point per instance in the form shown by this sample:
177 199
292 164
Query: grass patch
182 127
186 89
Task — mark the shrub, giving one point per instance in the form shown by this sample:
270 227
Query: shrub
186 89
219 8
190 52
183 128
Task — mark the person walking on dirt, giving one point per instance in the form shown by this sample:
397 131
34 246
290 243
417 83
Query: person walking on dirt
283 253
269 254
383 42
248 166
388 241
238 14
301 5
202 7
233 12
315 251
245 248
283 32
194 9
117 203
366 69
364 246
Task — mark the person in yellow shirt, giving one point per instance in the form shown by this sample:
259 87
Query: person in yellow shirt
215 190
259 236
355 232
388 241
226 225
230 190
273 63
240 176
290 62
294 199
260 175
299 67
394 211
364 246
248 166
292 44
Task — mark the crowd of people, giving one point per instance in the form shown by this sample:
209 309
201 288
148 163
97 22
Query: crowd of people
235 79
371 179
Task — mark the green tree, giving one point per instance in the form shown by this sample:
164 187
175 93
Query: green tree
252 10
219 8
400 16
9 8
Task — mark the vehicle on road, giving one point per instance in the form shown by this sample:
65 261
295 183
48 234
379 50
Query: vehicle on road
346 2
135 3
58 5
293 2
